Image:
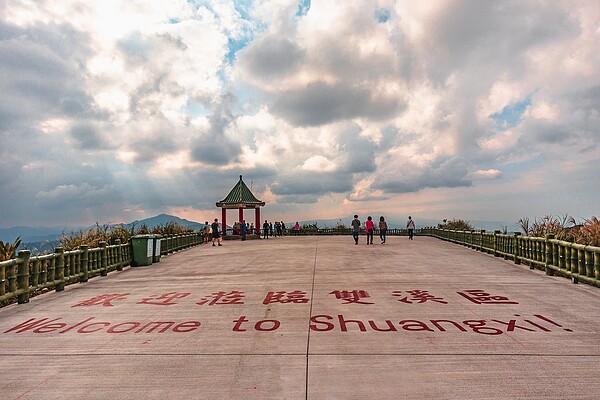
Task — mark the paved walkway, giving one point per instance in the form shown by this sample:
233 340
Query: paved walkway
308 318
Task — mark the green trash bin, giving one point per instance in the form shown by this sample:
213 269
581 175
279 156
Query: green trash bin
143 250
156 249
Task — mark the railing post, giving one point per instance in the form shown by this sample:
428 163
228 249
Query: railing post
84 263
581 260
597 265
548 255
568 257
481 234
60 269
23 276
561 256
103 259
573 261
496 244
119 255
589 263
516 245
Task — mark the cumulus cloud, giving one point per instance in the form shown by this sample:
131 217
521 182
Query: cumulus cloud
332 106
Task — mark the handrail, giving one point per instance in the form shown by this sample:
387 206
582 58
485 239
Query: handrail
27 275
555 257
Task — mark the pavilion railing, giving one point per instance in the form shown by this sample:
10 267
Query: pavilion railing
28 275
578 262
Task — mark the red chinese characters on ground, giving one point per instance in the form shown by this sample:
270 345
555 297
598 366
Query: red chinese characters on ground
417 296
356 296
104 300
222 298
295 296
479 296
351 296
166 299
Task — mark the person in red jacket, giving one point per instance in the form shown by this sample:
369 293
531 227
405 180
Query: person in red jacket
369 227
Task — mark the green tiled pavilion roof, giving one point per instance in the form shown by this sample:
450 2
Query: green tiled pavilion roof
240 196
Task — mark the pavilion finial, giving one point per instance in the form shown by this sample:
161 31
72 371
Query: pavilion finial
240 177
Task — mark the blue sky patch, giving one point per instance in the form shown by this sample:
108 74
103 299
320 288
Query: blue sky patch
235 46
383 15
303 7
510 115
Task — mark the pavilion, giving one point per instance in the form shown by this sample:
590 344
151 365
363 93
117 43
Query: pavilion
240 197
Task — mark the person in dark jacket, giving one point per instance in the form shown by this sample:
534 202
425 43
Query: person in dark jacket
216 235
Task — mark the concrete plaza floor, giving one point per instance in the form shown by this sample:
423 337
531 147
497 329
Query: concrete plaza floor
308 318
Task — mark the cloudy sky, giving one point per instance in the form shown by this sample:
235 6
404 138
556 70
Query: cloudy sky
117 110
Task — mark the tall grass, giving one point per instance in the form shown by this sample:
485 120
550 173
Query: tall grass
564 228
110 233
9 250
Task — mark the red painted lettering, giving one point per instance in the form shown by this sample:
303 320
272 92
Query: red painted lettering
276 324
113 329
30 324
187 326
238 324
479 326
414 325
390 324
83 328
155 325
512 324
436 323
343 323
315 319
76 325
49 327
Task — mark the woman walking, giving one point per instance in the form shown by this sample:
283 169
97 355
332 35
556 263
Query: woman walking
369 227
382 229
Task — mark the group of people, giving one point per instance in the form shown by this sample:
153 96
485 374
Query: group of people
369 228
268 229
278 229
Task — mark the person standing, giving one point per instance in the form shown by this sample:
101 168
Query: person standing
296 229
244 229
410 225
282 228
369 227
266 230
206 232
216 236
382 229
355 228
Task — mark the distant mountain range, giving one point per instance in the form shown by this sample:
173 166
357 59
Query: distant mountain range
36 236
31 235
398 222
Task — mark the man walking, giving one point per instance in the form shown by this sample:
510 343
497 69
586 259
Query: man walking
216 236
355 228
410 225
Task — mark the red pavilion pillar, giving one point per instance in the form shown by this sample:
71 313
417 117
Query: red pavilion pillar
224 220
257 220
241 215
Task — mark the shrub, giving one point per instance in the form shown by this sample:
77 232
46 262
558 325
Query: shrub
9 250
588 233
561 227
457 225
